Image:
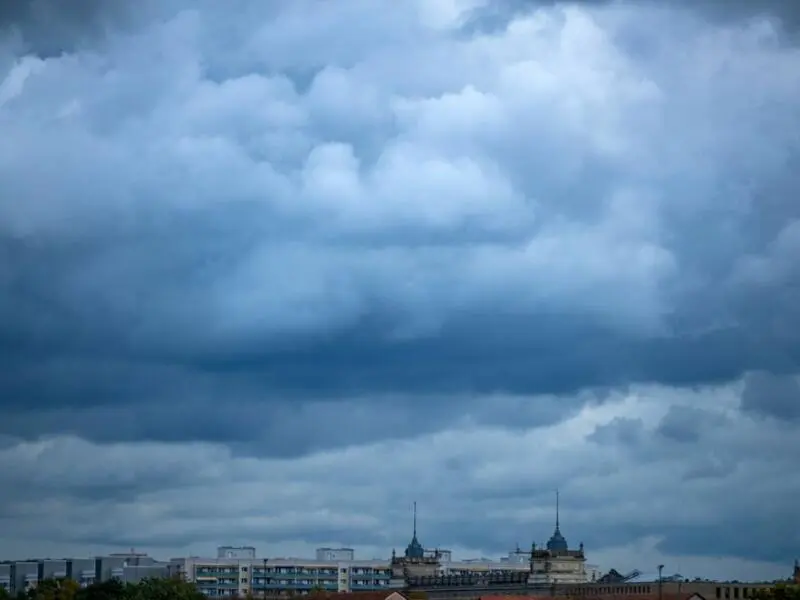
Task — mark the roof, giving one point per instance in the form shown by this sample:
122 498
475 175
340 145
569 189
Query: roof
651 596
519 597
371 595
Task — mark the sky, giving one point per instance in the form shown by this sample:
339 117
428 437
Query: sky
270 275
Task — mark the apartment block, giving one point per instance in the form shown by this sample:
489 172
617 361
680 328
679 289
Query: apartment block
220 577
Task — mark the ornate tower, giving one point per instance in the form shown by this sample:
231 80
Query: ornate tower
557 543
414 548
555 563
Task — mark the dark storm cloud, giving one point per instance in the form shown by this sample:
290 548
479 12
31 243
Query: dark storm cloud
499 13
50 27
113 314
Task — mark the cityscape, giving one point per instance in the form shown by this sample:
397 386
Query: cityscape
274 271
239 572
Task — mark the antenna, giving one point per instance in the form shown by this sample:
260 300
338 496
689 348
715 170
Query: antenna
415 518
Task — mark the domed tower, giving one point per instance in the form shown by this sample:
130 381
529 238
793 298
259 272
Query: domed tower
556 563
557 542
414 548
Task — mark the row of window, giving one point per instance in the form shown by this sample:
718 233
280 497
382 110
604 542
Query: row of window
291 582
622 589
734 592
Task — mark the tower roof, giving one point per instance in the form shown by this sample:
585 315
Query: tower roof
557 542
414 548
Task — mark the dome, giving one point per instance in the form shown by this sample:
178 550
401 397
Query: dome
557 541
415 549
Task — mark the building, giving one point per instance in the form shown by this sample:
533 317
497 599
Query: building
5 577
335 554
20 576
236 552
221 577
557 563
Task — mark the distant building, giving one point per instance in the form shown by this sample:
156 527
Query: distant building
20 576
236 552
335 554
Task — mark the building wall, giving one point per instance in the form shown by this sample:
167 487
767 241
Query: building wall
559 570
488 566
52 569
227 577
24 575
5 577
710 590
82 570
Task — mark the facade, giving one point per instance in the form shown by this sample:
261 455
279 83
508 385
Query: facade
221 577
5 577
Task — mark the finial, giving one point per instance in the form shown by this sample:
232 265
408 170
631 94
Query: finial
415 518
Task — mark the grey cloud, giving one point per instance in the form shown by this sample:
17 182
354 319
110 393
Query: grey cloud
260 231
686 424
131 289
619 431
776 396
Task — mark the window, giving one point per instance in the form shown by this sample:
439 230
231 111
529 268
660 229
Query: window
736 592
719 593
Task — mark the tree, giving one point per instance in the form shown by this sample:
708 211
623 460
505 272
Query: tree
164 589
779 592
54 589
112 589
4 595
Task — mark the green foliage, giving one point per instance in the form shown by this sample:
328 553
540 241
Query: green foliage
4 595
54 589
147 589
779 592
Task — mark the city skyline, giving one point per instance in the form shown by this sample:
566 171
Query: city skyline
269 276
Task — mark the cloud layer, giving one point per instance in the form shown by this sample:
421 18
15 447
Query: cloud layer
495 254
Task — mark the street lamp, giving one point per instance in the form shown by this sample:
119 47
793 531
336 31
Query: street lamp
660 569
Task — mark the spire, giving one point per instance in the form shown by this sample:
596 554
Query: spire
557 527
557 542
415 549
